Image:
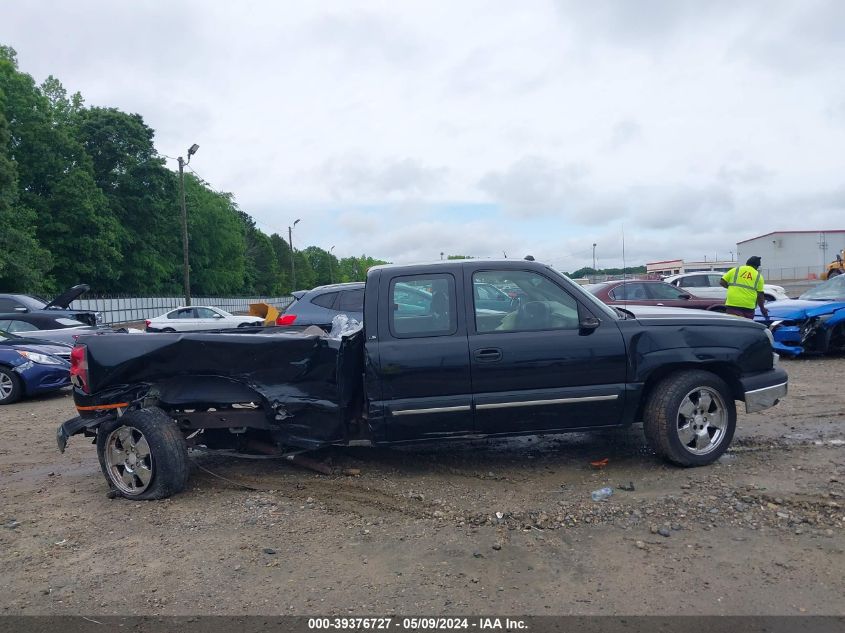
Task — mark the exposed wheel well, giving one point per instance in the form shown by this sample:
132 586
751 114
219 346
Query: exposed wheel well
725 371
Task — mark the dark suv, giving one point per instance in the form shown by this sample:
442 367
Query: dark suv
11 304
320 305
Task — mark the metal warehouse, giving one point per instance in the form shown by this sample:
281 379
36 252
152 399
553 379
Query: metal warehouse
793 254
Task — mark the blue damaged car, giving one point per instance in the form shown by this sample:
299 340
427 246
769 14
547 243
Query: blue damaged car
813 323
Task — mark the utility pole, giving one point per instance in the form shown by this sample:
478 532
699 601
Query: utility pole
594 258
186 269
292 267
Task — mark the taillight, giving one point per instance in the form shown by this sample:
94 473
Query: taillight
147 322
79 368
286 319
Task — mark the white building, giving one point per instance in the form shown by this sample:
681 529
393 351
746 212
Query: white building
677 266
793 254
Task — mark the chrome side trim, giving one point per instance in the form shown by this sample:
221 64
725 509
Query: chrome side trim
537 403
760 399
463 407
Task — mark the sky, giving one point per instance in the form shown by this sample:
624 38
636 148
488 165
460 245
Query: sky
404 130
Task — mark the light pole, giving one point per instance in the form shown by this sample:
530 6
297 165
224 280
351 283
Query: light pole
331 266
292 267
594 258
186 273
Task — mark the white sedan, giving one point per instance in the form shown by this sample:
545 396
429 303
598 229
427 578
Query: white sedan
706 284
194 318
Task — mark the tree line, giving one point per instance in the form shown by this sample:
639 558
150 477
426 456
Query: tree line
86 197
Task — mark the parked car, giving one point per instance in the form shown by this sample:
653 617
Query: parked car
490 297
193 318
29 367
561 361
650 293
814 322
706 284
60 306
50 327
320 305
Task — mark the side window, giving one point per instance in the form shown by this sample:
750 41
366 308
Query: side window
206 313
21 326
629 292
4 325
665 291
325 300
8 305
543 305
182 313
713 280
351 301
695 281
423 305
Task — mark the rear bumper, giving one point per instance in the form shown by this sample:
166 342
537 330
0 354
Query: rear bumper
77 425
765 390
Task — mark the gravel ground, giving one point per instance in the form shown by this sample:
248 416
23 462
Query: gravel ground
504 527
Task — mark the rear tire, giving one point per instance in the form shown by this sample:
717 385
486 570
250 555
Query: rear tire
143 455
690 418
11 389
168 330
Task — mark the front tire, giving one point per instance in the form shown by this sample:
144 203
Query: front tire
143 455
690 418
11 389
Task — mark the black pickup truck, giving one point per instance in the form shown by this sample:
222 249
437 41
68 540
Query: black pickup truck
440 356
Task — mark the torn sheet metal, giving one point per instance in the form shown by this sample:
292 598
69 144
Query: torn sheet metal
306 381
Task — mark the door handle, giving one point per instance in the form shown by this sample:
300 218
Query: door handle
488 355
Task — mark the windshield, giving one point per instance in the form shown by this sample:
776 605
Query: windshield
831 290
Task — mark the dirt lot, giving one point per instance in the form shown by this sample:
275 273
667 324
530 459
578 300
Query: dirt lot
504 527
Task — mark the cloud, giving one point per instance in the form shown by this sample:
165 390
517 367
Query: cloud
537 127
624 133
355 176
534 186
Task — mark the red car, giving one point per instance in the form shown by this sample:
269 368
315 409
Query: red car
650 293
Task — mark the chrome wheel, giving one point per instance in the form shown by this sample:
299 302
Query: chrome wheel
702 420
129 462
6 386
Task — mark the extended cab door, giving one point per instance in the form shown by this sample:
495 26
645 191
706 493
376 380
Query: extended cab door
423 356
549 363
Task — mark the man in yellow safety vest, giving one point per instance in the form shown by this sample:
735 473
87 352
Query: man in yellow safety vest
745 289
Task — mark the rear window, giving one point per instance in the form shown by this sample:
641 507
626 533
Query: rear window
351 300
325 300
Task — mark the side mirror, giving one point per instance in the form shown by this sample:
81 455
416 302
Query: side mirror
588 323
218 316
685 297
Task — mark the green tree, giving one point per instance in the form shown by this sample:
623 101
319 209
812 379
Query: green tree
323 263
281 252
217 241
22 260
55 181
142 195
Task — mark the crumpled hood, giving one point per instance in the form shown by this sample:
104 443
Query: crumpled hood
798 309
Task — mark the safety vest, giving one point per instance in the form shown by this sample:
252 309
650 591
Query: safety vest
744 282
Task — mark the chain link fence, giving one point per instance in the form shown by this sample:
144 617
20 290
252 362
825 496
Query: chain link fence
116 310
